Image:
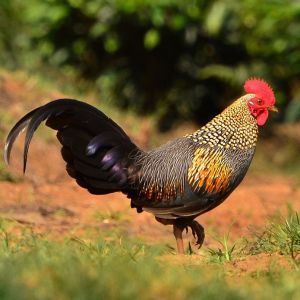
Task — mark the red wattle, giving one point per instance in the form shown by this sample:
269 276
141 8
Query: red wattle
262 117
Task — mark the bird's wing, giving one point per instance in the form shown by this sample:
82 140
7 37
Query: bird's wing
210 175
160 174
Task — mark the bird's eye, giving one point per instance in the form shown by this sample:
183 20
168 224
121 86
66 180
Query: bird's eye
259 101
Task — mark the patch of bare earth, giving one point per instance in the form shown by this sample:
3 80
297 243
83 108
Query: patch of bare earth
48 201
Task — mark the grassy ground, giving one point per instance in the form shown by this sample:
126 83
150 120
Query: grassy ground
112 253
38 267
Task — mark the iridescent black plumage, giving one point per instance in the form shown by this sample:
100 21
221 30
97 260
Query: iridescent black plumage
93 146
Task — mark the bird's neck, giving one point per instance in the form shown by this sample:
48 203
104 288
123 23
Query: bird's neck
234 128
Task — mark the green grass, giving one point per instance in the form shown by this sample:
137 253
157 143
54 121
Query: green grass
116 266
38 267
281 236
225 252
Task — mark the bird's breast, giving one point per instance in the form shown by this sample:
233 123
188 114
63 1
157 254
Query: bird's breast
210 171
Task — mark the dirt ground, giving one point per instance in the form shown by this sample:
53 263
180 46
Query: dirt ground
48 201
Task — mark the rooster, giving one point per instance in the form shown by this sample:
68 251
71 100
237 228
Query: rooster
177 181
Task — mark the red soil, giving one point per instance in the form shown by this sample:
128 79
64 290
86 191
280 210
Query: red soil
48 201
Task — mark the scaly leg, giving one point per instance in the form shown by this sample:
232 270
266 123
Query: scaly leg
197 231
177 230
179 225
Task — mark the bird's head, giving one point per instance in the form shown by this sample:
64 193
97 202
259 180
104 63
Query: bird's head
261 100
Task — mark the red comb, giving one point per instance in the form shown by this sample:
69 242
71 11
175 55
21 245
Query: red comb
261 89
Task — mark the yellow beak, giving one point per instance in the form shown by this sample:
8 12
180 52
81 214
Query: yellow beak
273 108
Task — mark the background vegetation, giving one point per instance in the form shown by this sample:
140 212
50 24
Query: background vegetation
179 59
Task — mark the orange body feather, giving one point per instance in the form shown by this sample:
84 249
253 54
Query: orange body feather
209 170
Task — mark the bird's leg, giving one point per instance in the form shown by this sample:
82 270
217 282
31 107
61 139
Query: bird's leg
177 230
179 225
197 230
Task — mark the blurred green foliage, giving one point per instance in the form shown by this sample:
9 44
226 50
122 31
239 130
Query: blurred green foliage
180 59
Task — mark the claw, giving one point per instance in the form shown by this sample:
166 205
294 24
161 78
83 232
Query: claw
198 233
179 225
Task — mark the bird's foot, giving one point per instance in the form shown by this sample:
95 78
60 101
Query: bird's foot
196 228
179 225
198 232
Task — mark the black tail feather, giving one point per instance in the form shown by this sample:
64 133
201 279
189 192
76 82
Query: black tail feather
95 148
19 127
